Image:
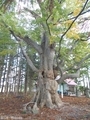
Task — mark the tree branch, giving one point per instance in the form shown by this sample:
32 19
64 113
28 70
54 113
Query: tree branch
73 46
33 13
74 75
39 2
75 16
30 63
36 16
71 75
59 66
79 64
31 42
71 26
28 41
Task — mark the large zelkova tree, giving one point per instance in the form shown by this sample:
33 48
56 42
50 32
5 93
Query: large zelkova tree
50 27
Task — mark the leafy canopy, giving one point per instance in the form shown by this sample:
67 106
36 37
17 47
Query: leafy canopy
55 17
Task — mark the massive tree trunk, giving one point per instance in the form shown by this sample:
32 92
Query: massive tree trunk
46 94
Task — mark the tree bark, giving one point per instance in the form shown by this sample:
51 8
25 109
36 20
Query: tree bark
46 94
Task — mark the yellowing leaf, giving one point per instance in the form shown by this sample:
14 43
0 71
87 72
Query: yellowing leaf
52 38
73 34
79 3
76 11
68 22
77 59
76 36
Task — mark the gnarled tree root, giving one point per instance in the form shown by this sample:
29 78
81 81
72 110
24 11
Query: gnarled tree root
31 107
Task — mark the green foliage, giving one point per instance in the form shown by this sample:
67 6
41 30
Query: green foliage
81 50
56 18
82 88
7 44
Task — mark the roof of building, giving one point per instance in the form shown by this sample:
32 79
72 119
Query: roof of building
70 82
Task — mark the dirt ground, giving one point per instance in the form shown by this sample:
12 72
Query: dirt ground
77 109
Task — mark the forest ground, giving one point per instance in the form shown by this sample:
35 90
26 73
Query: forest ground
77 109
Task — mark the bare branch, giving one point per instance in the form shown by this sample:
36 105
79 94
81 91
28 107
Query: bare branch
71 75
35 15
28 41
59 66
30 63
31 42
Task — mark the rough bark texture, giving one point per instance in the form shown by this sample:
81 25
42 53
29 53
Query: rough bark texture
49 95
46 94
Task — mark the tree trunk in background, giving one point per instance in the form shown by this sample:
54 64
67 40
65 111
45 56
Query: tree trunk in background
30 79
88 76
88 87
1 69
4 75
7 77
18 80
26 79
1 66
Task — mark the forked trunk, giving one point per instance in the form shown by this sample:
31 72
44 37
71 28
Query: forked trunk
46 94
